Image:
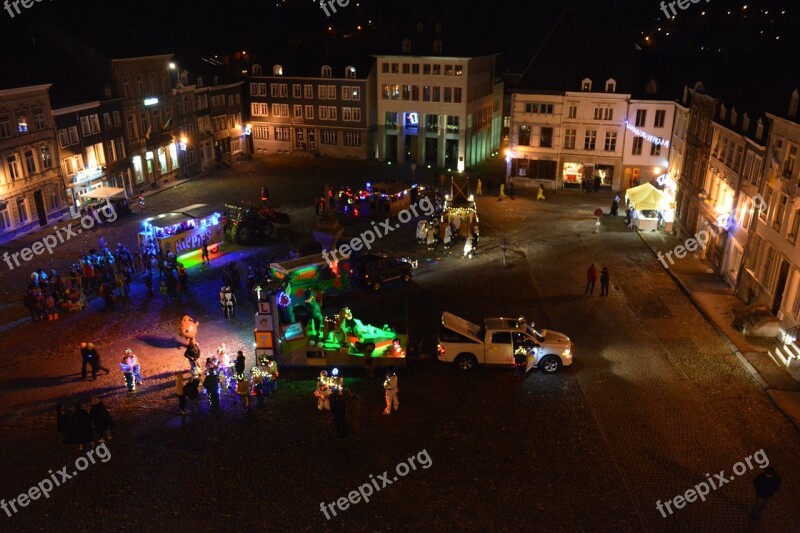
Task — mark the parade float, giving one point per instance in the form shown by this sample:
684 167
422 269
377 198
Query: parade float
291 326
377 200
460 210
183 231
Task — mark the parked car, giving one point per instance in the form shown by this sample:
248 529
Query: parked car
373 269
496 340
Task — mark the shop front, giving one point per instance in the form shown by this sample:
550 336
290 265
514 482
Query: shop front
592 175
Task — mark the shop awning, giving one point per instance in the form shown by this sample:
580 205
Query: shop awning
646 198
104 193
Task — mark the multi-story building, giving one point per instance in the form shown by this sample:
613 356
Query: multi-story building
697 152
438 110
773 258
91 140
31 186
209 123
331 114
648 131
144 84
677 152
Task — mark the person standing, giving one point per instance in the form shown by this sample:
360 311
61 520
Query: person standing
475 235
430 236
101 418
468 247
339 412
354 413
502 193
127 371
323 391
520 361
192 353
94 361
591 278
192 393
615 206
211 384
137 370
204 255
85 357
478 188
180 390
604 279
390 386
540 194
766 484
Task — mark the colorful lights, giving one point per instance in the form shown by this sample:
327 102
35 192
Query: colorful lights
651 138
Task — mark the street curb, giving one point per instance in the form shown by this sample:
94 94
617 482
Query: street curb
744 362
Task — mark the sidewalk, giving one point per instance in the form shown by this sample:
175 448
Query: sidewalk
715 300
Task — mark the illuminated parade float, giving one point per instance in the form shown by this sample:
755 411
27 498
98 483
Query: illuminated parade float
183 231
291 326
377 200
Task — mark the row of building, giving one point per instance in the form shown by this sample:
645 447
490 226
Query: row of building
151 126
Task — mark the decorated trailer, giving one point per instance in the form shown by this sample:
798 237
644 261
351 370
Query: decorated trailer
290 323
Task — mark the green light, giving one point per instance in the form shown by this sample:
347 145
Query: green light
190 259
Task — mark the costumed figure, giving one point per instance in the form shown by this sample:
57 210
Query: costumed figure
188 328
323 391
336 381
228 302
272 373
448 237
137 371
192 353
391 390
468 247
422 230
127 371
258 385
430 236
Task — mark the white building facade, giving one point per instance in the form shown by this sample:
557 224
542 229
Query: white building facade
439 111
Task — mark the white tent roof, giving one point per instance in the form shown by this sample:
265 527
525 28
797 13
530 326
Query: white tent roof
103 193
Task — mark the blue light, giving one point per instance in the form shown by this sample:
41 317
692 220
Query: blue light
335 372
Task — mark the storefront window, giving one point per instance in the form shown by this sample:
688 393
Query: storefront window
573 173
150 165
137 168
162 160
5 217
173 155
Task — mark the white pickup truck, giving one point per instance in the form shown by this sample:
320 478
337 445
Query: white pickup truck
495 343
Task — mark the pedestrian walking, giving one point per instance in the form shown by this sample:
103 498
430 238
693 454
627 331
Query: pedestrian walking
475 235
180 391
391 392
137 370
94 361
597 183
591 278
192 393
353 404
141 203
339 412
615 206
101 418
604 282
478 188
766 484
502 193
540 194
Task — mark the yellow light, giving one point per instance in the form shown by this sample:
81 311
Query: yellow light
657 171
507 152
184 140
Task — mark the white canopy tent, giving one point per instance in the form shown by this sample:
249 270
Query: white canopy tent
104 193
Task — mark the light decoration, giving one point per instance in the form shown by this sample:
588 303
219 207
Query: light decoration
150 101
283 299
658 141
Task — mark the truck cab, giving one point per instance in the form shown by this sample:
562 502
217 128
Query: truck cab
496 341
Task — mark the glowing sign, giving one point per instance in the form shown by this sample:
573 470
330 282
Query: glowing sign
150 101
651 138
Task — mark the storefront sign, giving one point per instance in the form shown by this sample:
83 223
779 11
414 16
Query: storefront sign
193 240
651 138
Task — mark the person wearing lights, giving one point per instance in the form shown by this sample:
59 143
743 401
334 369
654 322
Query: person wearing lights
391 390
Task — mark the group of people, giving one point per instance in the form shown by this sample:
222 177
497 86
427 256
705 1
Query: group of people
430 232
591 279
83 428
221 372
344 404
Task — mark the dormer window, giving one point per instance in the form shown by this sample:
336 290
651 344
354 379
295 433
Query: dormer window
256 70
406 46
326 71
586 85
437 46
734 115
350 72
611 85
277 70
759 129
793 104
745 123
